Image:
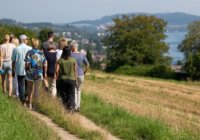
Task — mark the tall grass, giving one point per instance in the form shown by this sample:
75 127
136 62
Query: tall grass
17 124
53 108
128 126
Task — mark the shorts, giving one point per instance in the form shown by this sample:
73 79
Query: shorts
7 67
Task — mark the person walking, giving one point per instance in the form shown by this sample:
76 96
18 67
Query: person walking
35 62
6 51
15 41
46 46
18 65
50 43
66 72
62 43
82 67
51 56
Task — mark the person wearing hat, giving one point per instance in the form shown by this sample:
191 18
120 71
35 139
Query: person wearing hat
18 64
6 50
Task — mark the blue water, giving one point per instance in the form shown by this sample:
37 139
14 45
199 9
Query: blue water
173 40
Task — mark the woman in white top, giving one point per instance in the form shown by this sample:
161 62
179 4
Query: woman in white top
62 43
15 41
6 50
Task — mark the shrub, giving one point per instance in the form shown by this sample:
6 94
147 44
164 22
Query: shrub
141 70
161 71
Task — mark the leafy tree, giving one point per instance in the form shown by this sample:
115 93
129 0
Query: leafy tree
15 30
136 40
191 48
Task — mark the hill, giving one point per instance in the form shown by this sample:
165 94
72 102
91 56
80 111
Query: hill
176 21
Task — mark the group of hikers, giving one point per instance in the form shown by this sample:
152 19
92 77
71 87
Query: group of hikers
59 66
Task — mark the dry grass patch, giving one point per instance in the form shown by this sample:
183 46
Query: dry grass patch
175 103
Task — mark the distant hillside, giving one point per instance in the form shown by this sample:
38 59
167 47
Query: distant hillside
176 21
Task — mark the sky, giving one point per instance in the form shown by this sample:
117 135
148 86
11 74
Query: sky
66 11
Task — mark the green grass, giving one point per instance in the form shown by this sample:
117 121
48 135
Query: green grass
53 108
17 124
128 126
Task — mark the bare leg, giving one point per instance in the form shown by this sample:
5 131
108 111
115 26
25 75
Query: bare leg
30 93
10 85
3 83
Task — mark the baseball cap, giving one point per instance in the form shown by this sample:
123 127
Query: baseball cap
22 37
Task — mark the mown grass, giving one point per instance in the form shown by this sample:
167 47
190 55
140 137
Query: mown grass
17 124
53 108
129 126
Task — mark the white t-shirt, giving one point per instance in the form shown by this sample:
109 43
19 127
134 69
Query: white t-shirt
7 51
59 53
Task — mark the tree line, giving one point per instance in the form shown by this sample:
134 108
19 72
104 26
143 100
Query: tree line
136 45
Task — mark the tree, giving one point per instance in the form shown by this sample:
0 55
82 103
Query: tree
15 30
190 46
136 40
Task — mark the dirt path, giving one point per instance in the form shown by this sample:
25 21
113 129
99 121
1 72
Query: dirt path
63 134
92 126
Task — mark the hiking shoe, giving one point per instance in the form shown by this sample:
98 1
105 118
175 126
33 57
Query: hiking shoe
71 110
30 106
77 109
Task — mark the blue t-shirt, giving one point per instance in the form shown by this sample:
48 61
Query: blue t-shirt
81 60
36 60
18 57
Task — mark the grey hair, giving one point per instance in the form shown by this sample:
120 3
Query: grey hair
74 44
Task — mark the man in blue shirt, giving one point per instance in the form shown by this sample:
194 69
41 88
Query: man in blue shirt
18 65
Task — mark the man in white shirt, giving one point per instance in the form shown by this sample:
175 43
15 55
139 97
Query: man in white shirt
18 64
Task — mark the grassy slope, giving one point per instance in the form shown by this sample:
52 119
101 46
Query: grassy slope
128 126
174 103
17 124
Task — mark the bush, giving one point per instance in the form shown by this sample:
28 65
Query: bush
141 70
159 71
162 71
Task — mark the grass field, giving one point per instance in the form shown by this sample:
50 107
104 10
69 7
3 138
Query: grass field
129 126
176 104
17 124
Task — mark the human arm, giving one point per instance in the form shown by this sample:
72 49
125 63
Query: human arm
57 70
1 58
27 60
13 62
86 63
75 72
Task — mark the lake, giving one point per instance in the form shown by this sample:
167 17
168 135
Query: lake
174 39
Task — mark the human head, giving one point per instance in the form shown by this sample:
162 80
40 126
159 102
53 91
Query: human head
50 34
23 39
74 46
35 42
6 38
62 43
15 41
11 38
66 52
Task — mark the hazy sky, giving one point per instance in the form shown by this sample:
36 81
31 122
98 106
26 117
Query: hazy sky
65 11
